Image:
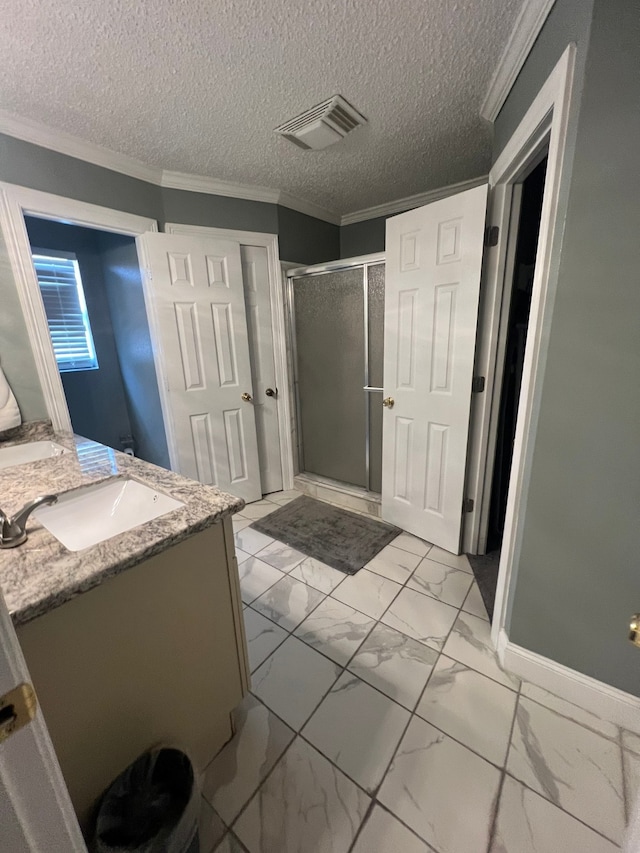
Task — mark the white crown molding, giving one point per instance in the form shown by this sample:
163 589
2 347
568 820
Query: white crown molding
65 143
606 702
308 207
212 186
411 201
523 35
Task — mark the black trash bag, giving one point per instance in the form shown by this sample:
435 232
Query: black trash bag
152 807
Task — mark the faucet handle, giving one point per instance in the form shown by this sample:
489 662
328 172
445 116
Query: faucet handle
20 518
13 530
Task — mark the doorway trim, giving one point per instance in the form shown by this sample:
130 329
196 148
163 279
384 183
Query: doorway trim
543 126
16 202
278 326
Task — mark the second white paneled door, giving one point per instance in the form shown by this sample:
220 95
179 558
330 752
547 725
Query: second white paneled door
434 259
197 305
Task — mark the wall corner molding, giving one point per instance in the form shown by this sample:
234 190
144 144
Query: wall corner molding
525 31
606 702
212 186
309 208
40 134
65 143
411 201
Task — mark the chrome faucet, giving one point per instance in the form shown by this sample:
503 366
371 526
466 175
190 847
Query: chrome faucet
13 530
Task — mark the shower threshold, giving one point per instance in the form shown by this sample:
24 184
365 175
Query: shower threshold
340 494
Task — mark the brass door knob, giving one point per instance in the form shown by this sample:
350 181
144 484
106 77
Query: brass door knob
247 397
388 402
271 393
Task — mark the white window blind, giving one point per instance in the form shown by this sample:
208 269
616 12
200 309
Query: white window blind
66 310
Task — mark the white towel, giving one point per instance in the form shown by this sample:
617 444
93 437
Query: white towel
9 411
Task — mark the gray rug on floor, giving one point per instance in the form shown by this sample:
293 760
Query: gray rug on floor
337 537
485 570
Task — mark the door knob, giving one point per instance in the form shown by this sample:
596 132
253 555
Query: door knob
247 397
271 393
388 402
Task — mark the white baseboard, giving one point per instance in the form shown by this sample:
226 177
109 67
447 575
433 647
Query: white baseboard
601 699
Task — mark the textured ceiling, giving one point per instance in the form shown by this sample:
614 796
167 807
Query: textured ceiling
198 86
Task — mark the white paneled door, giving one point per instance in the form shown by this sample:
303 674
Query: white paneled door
434 259
195 288
255 270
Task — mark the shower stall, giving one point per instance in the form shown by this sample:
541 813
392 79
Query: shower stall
337 334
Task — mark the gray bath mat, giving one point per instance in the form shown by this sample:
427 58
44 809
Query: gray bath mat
337 537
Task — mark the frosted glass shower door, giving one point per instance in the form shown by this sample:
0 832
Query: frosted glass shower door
330 349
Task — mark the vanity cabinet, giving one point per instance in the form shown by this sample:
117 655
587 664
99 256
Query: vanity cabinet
153 655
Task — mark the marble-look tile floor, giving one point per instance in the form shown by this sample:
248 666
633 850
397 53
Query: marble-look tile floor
380 721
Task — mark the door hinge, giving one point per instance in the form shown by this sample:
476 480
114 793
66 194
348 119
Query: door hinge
467 505
491 235
477 385
17 708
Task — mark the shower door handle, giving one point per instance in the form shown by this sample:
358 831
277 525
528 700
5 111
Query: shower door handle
388 402
271 393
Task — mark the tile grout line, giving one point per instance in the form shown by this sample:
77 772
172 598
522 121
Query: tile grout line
529 788
412 714
279 758
387 810
344 667
367 815
561 808
557 713
503 773
625 804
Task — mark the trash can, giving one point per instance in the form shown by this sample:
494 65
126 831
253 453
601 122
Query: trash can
152 807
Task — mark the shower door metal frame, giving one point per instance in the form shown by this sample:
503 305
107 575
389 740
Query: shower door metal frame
364 261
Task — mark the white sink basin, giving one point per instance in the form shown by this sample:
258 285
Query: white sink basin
20 454
83 517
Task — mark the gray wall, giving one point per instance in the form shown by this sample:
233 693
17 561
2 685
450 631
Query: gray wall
217 211
577 581
302 238
131 330
306 240
38 168
363 238
96 398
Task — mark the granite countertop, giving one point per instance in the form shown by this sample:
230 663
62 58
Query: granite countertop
42 574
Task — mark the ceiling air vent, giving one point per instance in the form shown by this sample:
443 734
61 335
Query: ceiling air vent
323 124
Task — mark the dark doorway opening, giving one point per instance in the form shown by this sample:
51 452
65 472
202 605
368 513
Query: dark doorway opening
486 567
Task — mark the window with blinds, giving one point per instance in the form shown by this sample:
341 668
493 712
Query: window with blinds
66 310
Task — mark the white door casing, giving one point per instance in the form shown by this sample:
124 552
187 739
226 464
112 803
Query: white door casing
196 305
255 273
434 261
15 203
